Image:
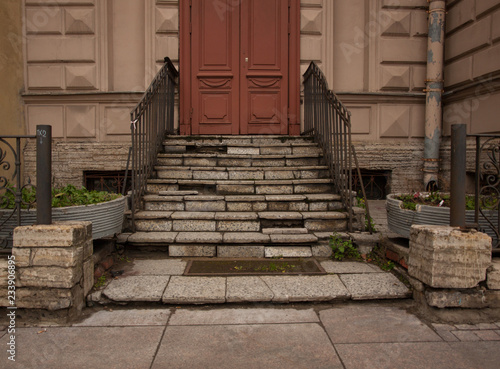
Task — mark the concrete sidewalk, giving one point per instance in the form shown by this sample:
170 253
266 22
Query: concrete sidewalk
352 335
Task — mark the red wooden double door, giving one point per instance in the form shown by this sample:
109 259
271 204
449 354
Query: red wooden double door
239 67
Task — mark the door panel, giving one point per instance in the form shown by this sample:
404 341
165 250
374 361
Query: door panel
264 71
239 67
215 69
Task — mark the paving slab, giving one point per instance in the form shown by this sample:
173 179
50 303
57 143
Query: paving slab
242 316
362 323
284 230
276 346
436 355
195 290
347 267
85 347
137 288
126 318
155 267
484 355
374 286
306 288
247 289
293 238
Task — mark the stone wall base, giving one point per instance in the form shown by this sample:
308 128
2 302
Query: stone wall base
54 268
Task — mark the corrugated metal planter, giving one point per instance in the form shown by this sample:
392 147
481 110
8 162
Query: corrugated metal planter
400 220
106 217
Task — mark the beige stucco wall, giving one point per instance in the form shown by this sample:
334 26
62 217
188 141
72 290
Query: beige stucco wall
11 76
472 74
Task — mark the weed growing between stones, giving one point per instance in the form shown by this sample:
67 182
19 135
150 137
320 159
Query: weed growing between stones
343 249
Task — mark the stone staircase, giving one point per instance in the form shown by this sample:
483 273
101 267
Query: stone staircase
240 196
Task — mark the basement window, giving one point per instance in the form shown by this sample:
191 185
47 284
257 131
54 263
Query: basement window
374 181
109 181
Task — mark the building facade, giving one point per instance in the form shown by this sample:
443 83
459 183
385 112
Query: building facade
86 63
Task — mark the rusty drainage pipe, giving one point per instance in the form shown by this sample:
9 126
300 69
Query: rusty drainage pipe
434 91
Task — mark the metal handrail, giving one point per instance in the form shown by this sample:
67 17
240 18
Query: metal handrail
487 187
151 120
329 121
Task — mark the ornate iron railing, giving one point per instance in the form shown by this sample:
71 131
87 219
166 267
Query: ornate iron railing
11 187
329 121
487 192
151 120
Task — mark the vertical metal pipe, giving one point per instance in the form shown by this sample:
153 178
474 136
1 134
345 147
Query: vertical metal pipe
458 159
19 193
434 90
43 174
477 186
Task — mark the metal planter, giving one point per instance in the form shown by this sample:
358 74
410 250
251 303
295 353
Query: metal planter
400 220
106 217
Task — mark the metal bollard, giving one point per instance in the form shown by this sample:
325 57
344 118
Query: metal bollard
458 162
44 174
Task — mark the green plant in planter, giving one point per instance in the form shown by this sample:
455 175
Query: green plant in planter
61 197
343 249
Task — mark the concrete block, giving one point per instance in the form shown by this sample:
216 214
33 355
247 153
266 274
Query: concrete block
468 299
274 190
61 257
243 150
194 225
235 189
246 175
325 225
191 251
199 237
493 275
445 257
54 277
245 237
321 251
205 205
288 251
61 234
50 299
238 226
153 225
293 238
240 251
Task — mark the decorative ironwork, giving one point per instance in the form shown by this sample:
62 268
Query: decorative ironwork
329 121
151 119
11 188
487 193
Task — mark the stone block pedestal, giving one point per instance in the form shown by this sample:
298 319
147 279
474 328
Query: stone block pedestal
446 257
54 265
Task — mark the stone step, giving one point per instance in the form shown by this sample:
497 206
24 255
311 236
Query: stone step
209 238
225 140
230 160
241 173
243 187
267 221
300 202
242 149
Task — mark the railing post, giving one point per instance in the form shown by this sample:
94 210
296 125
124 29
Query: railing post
44 174
458 162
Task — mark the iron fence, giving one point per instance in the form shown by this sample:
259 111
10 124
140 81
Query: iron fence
151 120
487 187
11 188
329 121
